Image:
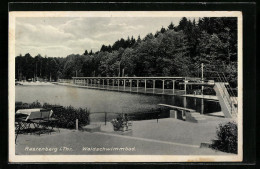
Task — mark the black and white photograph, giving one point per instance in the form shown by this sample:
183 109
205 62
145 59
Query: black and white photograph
107 86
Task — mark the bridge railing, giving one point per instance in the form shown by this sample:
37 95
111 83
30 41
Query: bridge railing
65 81
152 114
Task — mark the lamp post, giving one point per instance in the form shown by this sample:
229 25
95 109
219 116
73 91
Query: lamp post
202 80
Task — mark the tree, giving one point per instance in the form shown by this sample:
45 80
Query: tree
138 39
170 52
182 24
148 37
163 30
53 69
109 64
146 53
103 48
88 67
19 66
86 52
171 26
128 62
28 66
173 58
91 53
132 42
211 51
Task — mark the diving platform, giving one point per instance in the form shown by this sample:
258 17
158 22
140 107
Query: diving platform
208 97
188 115
177 107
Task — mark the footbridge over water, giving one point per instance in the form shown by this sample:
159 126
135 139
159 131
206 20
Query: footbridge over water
155 85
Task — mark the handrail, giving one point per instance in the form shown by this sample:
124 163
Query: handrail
130 116
225 93
229 87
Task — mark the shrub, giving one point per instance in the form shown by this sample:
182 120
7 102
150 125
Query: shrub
67 116
226 138
35 104
119 122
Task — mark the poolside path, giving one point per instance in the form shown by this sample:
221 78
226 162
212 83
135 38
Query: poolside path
167 137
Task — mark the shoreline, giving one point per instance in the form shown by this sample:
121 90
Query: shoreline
33 83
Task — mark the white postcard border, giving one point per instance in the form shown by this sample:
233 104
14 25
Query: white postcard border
120 158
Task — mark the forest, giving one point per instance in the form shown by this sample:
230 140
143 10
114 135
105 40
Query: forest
177 50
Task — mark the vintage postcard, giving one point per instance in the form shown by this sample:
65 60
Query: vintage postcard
107 86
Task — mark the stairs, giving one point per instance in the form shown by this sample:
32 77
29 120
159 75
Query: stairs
195 117
228 105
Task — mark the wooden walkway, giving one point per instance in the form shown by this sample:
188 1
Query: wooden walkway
127 89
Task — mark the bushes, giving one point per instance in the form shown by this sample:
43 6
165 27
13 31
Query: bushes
120 122
66 115
226 138
34 105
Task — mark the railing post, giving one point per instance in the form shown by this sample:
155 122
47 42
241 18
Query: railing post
124 84
105 118
185 102
158 115
182 114
137 85
185 86
77 124
130 85
118 81
173 85
113 83
145 85
153 86
163 86
202 106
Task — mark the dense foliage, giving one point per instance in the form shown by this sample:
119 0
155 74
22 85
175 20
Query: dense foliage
226 138
66 116
173 51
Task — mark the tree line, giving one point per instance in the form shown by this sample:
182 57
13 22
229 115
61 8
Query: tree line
177 50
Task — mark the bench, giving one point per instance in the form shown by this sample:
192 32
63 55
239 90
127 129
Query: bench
36 117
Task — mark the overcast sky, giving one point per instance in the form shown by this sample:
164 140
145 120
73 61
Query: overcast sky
59 37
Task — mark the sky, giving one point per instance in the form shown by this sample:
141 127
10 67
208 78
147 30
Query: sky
62 36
